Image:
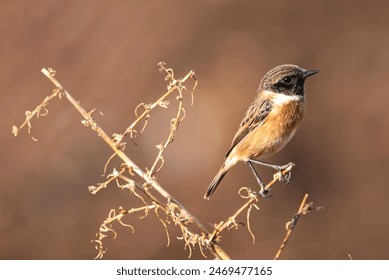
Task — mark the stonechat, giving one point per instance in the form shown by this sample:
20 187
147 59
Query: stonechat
269 123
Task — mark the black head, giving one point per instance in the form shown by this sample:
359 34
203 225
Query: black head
287 79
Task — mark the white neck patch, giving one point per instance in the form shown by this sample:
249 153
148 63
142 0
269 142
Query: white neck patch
280 98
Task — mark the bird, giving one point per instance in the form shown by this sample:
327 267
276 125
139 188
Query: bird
269 123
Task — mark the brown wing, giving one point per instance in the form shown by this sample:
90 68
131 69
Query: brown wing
255 116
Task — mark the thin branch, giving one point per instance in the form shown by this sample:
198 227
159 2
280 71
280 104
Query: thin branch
111 177
173 127
106 226
173 85
115 145
39 111
304 209
252 199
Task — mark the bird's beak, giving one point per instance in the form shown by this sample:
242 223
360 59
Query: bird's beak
310 73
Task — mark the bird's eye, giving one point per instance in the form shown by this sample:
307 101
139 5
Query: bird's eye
287 80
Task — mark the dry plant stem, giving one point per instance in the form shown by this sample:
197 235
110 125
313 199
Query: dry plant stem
115 216
290 230
303 209
174 126
145 191
149 108
252 199
37 112
141 116
215 249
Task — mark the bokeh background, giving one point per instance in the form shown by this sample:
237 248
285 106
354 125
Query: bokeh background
106 55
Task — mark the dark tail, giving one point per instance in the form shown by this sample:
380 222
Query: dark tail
215 182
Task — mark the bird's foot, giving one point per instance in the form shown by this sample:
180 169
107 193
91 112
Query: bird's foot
284 173
263 192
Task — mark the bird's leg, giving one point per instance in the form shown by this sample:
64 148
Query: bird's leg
262 192
282 177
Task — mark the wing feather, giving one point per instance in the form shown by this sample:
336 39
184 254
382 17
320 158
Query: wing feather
254 117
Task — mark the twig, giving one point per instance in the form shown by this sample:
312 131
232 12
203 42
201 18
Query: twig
252 198
304 209
184 214
39 111
106 226
160 102
174 123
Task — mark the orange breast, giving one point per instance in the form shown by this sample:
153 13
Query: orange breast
270 137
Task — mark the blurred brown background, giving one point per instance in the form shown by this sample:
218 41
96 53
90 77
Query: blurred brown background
106 55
